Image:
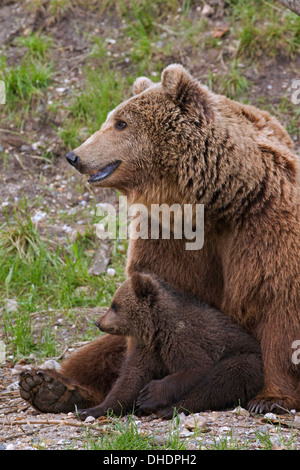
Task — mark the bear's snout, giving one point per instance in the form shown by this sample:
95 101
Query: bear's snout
97 324
73 159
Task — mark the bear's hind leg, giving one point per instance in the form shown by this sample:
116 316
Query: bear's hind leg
84 379
231 381
49 392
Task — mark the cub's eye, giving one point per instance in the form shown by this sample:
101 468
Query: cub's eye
114 306
120 125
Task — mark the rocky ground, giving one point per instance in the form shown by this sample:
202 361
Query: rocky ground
23 428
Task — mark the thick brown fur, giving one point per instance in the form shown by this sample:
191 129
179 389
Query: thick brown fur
184 144
181 353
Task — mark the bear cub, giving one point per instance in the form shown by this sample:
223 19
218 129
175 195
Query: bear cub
181 353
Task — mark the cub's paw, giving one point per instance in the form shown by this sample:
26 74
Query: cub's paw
166 413
265 404
47 392
151 398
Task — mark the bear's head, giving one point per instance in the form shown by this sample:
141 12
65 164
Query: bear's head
132 309
140 143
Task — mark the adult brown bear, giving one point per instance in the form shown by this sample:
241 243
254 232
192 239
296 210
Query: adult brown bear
177 142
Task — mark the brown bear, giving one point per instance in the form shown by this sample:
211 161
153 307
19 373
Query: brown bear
178 142
181 353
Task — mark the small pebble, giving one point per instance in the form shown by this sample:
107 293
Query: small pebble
240 411
89 419
270 416
195 422
11 306
111 272
10 447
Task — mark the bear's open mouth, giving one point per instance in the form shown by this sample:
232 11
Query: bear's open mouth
107 170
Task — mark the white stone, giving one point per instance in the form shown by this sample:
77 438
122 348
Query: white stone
89 419
111 272
207 10
270 416
10 447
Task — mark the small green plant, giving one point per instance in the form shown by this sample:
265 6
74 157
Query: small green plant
37 45
227 442
24 81
119 435
102 91
277 440
24 84
231 83
264 29
126 434
54 8
20 239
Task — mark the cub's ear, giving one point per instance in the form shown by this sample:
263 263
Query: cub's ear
143 285
186 92
141 84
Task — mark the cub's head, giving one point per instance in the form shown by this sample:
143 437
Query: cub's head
132 308
142 138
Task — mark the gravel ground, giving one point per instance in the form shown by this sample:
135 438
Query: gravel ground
23 428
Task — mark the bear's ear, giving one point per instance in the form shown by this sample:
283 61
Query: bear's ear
143 286
141 84
175 80
185 91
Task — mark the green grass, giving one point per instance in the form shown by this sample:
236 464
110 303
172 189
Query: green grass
39 275
55 9
269 441
119 436
102 91
264 29
37 46
26 81
126 435
231 83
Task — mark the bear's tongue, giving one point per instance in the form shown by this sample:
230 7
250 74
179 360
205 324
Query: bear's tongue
104 172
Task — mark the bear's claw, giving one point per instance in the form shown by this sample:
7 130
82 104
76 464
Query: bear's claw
263 405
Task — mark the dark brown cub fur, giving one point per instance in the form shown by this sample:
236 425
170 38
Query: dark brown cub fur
180 353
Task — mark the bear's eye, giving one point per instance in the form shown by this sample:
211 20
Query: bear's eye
120 125
114 306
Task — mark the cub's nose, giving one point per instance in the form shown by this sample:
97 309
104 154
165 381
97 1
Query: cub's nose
73 159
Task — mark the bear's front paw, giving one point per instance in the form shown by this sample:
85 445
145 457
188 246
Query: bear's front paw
151 398
264 404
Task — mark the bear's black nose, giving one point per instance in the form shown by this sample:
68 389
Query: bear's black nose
73 159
